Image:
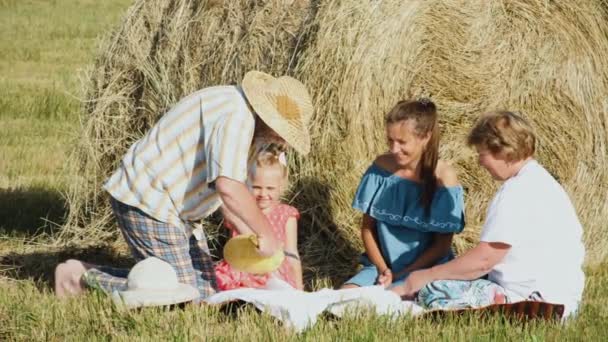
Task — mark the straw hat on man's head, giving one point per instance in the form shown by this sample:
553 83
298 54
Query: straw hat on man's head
283 104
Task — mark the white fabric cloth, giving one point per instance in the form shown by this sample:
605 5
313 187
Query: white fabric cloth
533 214
299 310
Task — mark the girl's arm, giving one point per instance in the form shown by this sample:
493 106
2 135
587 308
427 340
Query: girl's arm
439 248
291 247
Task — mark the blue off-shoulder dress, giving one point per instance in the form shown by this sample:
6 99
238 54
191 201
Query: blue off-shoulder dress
403 230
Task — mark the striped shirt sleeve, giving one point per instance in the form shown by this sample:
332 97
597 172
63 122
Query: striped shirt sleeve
227 148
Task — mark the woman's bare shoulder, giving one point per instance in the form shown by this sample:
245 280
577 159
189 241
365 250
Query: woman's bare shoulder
446 174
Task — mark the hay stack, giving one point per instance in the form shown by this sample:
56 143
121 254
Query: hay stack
545 59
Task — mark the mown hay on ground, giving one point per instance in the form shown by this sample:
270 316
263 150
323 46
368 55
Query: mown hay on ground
545 59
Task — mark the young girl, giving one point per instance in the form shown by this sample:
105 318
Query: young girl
411 201
268 181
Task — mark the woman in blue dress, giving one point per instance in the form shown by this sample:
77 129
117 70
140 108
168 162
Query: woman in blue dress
412 202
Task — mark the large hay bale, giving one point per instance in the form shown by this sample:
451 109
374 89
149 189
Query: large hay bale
358 57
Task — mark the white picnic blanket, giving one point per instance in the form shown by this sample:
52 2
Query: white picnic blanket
299 309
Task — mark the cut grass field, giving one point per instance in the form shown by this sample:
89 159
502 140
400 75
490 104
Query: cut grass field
31 313
45 46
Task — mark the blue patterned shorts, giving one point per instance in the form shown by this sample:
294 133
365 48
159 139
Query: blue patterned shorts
460 294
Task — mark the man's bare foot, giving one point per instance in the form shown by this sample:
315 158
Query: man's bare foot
68 278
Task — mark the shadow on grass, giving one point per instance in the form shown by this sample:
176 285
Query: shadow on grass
325 249
25 212
39 265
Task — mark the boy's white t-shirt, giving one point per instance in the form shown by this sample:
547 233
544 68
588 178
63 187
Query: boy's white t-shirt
532 213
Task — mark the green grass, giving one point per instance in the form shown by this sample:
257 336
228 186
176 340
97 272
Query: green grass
30 312
45 46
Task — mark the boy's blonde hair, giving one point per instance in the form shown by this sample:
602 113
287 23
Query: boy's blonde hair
503 132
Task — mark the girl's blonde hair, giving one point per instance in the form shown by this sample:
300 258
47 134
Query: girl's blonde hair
503 132
271 155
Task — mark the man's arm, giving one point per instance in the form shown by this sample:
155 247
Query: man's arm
239 201
235 222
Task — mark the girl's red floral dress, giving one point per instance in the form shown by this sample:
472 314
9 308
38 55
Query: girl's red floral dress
228 278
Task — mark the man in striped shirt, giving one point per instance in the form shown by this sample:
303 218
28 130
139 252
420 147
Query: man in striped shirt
194 160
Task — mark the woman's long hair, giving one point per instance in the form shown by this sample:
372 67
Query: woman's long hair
424 114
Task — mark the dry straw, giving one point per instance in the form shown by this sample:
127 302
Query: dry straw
546 59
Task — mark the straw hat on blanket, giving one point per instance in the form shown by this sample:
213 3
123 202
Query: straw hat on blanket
153 282
283 104
241 253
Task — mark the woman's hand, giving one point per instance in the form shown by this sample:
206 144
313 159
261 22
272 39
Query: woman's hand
385 278
414 282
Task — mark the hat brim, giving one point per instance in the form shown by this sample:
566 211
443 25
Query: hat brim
263 91
141 298
242 255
